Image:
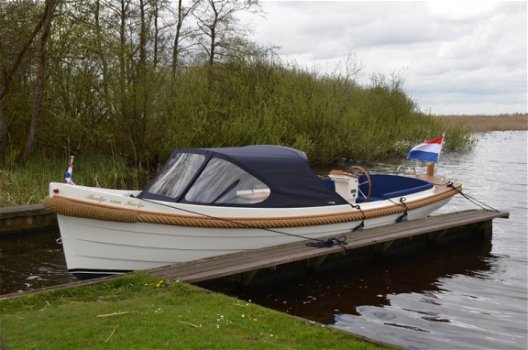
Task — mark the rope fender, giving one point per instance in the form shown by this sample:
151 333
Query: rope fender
70 207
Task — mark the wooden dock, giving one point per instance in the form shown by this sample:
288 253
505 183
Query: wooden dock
379 241
25 218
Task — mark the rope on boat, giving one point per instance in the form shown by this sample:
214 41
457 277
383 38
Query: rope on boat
64 206
473 200
330 242
79 208
403 217
84 209
360 226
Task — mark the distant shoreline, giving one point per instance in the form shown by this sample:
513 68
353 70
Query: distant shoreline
482 123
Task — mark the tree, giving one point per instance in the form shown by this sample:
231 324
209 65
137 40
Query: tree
219 28
8 77
181 34
49 11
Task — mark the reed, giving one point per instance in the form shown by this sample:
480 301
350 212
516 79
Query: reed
29 184
483 123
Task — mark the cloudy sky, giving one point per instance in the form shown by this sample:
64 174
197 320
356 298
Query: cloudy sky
461 57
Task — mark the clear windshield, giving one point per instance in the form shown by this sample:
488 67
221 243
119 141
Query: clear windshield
177 174
222 182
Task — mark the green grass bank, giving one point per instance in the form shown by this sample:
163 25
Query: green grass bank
139 312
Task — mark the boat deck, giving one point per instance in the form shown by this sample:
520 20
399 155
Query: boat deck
247 263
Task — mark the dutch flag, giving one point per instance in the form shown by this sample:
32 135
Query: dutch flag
429 151
69 172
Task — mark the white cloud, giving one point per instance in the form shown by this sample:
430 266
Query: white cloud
455 57
460 10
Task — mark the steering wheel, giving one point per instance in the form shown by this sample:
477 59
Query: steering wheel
354 169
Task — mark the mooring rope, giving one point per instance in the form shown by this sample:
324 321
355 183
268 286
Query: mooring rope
360 226
403 217
473 200
319 243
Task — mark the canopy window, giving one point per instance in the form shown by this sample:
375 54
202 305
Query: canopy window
222 182
177 174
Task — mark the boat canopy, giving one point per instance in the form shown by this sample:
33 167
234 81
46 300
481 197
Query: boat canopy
254 176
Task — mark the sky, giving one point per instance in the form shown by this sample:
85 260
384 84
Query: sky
460 57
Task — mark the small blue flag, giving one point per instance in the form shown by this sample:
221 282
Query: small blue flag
69 173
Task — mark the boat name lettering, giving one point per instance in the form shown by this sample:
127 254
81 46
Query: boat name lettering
99 199
135 204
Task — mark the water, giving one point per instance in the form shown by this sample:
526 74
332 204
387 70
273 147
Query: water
465 296
31 260
469 296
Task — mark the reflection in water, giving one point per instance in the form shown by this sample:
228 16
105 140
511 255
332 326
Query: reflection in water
327 296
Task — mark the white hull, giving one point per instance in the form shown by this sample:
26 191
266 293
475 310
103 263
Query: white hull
101 247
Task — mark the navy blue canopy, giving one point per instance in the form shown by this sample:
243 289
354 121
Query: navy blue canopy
285 171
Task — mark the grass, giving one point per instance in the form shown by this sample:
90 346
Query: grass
483 123
140 312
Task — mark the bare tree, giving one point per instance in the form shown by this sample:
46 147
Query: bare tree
219 28
180 34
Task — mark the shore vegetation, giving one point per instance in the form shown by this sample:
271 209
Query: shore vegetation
484 123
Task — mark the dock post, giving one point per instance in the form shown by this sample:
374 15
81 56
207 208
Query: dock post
483 229
381 248
246 277
434 237
314 263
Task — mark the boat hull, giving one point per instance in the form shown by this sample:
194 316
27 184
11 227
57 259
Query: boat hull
99 247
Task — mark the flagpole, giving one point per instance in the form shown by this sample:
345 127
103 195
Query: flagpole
441 146
431 166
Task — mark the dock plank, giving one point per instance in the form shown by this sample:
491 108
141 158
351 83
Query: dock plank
251 260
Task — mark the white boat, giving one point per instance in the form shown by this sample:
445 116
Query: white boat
209 202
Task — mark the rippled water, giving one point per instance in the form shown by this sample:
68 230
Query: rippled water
31 260
472 295
469 296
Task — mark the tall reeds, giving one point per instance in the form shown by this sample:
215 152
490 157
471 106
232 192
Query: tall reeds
29 184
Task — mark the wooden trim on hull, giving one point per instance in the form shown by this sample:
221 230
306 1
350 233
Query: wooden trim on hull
76 208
